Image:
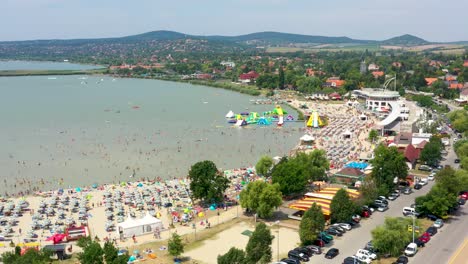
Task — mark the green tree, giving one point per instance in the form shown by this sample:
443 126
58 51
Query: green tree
342 207
233 256
437 201
92 252
281 78
175 245
258 248
459 119
264 165
373 135
205 182
388 164
369 191
111 254
432 152
312 223
392 236
261 197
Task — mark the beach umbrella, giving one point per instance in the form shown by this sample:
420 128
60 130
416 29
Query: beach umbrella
78 189
132 259
94 186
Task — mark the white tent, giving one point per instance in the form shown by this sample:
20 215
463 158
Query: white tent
347 134
307 138
230 114
147 224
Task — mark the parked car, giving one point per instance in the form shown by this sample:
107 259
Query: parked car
419 243
309 253
379 203
362 259
366 253
368 208
461 201
331 253
392 196
345 226
338 227
366 213
316 249
401 260
432 217
457 161
418 186
431 176
408 211
298 255
431 230
356 218
333 232
351 260
438 223
352 223
464 195
324 236
290 261
411 249
369 246
319 243
382 208
423 181
425 168
425 237
407 190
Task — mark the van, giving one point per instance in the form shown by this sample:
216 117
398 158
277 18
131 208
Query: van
411 249
408 211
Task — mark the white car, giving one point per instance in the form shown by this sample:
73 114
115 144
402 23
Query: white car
423 181
438 223
366 253
345 226
363 259
411 249
431 176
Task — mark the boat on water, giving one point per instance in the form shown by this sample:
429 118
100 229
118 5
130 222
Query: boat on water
230 114
52 78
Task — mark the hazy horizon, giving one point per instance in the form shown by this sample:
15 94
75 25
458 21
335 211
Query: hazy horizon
359 19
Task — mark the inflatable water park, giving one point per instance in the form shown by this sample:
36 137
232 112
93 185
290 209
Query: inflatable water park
277 115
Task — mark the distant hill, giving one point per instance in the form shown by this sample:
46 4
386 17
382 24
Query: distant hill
270 37
405 40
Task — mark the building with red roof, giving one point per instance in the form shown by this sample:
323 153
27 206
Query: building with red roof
249 77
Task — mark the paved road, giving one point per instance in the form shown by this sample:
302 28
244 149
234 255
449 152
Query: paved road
357 238
446 242
441 248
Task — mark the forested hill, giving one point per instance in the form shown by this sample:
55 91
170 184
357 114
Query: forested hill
405 40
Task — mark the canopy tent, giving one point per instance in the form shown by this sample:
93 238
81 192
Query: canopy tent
347 134
357 165
137 227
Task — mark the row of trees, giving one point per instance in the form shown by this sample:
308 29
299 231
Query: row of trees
257 251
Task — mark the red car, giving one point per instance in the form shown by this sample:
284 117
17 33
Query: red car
464 195
425 237
319 242
365 214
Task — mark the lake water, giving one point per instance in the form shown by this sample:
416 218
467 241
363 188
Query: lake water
43 65
79 130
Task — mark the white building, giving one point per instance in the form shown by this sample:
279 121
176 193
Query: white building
228 64
377 99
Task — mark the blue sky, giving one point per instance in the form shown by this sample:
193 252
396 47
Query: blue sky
434 20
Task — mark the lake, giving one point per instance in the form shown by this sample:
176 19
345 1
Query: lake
80 130
44 65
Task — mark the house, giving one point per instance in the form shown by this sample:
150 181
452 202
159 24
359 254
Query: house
229 64
412 155
455 85
373 67
465 63
349 176
430 81
249 77
403 139
334 82
396 64
378 74
311 73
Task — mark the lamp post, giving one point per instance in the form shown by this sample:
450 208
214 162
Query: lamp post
413 226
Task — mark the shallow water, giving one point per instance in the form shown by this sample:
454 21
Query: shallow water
80 130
